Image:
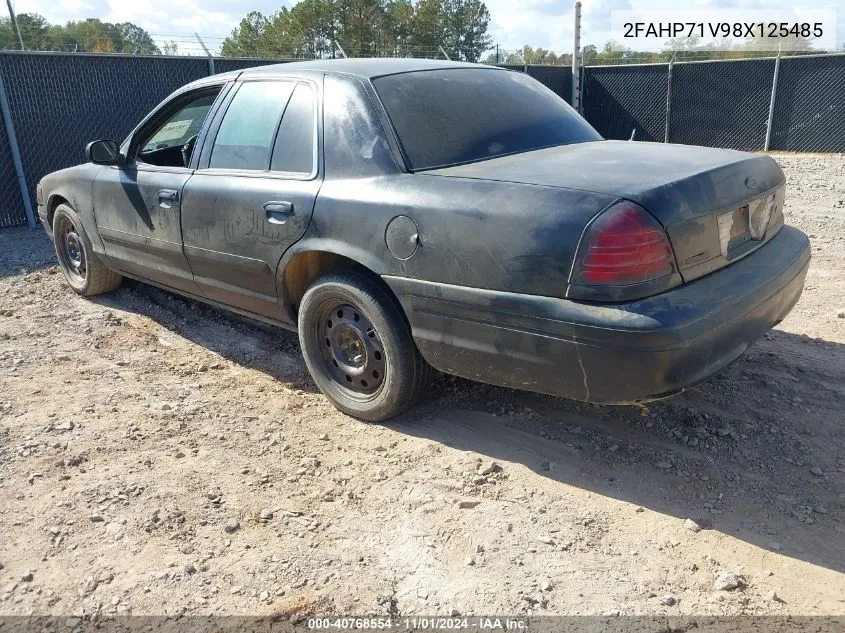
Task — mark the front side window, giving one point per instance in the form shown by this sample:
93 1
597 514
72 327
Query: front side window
163 146
245 137
448 117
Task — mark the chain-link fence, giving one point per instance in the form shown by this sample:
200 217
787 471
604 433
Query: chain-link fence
225 65
799 100
11 206
809 112
59 102
614 103
722 104
556 78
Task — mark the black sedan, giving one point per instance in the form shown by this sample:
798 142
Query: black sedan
405 215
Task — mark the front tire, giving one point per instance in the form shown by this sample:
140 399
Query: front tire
83 270
358 347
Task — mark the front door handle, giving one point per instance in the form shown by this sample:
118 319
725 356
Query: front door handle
278 212
167 197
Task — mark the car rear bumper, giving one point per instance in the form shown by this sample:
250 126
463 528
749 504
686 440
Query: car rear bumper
607 353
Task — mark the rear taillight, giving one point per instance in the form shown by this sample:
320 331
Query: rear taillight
624 245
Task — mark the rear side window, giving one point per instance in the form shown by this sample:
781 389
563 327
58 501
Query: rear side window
246 134
462 115
294 148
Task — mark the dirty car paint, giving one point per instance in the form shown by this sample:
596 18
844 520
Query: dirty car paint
485 285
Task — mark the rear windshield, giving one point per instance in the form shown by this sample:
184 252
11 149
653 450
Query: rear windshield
453 116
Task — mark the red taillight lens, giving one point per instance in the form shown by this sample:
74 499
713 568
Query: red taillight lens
625 245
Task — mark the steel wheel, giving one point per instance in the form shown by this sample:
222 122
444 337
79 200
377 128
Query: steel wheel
358 346
353 353
84 271
71 250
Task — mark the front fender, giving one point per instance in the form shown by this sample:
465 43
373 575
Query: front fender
76 186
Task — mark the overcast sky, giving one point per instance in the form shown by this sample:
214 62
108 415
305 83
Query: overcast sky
546 23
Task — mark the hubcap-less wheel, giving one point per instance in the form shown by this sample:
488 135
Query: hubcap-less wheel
72 250
353 354
358 346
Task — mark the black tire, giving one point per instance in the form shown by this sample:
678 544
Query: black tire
83 270
358 347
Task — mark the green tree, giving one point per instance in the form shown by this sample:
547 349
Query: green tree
34 30
428 29
94 35
397 27
91 35
246 38
539 56
363 28
319 26
466 24
137 39
359 23
282 37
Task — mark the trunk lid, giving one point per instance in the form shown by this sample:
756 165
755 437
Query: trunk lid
707 199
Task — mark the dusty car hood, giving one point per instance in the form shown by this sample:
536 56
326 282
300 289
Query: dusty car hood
674 182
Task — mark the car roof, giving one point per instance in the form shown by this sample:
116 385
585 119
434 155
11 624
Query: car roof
363 67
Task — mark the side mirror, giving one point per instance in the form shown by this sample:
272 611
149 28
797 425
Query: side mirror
103 152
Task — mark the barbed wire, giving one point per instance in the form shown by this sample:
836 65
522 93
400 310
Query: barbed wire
182 44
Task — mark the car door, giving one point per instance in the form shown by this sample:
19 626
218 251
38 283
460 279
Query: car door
137 203
253 193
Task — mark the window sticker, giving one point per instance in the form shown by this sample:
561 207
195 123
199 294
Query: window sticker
172 130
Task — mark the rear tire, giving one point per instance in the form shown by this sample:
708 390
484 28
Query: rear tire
358 347
82 268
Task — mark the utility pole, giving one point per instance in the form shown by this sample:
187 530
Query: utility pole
15 22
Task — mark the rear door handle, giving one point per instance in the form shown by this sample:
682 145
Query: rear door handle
278 212
167 197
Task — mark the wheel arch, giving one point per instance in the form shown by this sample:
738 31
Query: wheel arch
53 203
308 260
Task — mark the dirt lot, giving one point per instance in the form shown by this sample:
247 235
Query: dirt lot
158 456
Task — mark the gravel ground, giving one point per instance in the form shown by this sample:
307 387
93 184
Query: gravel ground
158 456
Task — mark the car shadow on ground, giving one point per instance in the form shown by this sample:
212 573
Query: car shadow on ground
737 453
269 349
756 452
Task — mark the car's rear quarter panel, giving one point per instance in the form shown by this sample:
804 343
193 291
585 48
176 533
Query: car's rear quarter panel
500 236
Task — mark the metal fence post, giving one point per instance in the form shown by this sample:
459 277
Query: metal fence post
524 63
208 54
772 103
668 99
16 155
582 79
576 56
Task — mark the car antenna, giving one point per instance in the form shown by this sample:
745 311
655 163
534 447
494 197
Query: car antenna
633 134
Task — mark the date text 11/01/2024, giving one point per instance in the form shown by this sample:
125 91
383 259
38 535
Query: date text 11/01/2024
419 623
773 30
